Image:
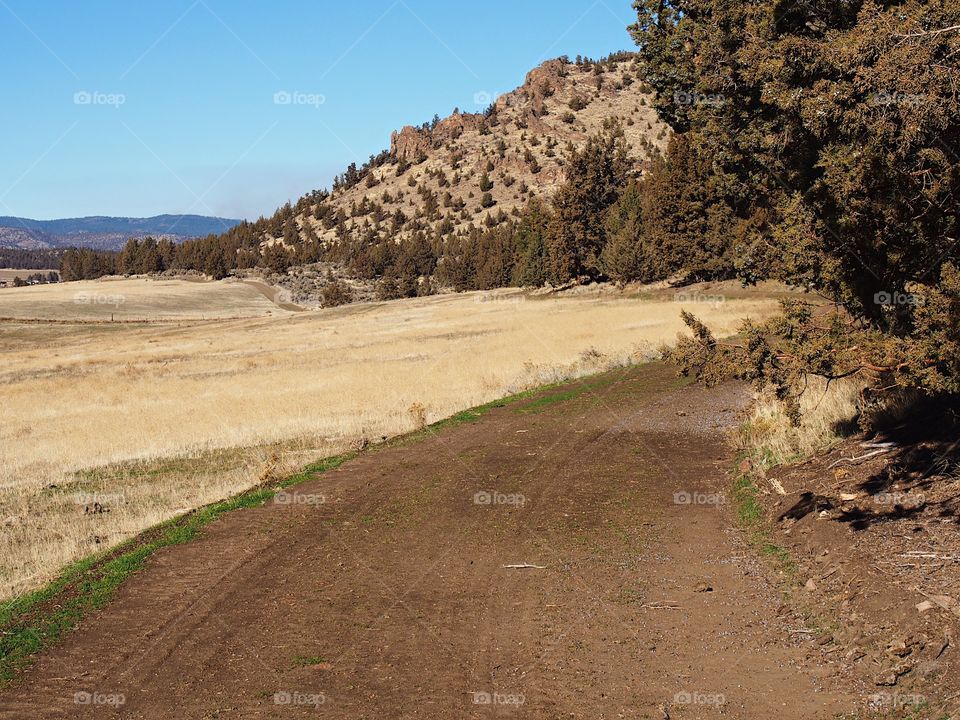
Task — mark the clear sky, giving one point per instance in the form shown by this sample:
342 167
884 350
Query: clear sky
136 108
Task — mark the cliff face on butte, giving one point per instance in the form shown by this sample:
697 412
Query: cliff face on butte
480 167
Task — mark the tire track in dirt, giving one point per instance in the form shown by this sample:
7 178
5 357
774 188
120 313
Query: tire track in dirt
391 599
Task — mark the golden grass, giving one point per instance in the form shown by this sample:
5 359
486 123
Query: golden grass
136 299
826 411
8 274
160 418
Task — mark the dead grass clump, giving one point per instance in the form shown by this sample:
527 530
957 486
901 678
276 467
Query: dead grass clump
418 413
270 471
829 414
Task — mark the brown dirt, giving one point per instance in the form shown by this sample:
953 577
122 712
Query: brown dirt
391 599
273 295
878 539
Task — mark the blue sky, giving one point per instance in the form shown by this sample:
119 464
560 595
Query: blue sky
130 108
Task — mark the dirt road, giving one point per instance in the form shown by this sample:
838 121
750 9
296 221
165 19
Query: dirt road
274 294
382 589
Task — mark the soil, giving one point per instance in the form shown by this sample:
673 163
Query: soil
874 527
273 295
384 589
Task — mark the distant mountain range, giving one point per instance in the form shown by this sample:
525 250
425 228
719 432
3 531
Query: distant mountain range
105 233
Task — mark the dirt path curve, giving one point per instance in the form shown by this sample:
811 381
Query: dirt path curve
391 599
274 295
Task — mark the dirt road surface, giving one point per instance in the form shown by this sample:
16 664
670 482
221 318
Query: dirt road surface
383 589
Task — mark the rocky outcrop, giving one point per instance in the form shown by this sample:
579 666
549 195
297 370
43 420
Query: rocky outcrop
542 82
411 142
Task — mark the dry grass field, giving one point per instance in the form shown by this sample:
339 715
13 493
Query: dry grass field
135 299
108 428
8 275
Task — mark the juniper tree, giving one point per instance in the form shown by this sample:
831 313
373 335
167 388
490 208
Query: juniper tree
829 135
577 234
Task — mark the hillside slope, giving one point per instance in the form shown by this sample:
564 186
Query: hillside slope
434 177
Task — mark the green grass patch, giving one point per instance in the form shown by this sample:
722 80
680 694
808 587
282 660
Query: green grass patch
745 495
746 503
542 403
469 416
545 398
781 558
317 468
307 660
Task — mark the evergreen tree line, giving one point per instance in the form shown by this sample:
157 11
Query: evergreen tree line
87 264
17 259
604 223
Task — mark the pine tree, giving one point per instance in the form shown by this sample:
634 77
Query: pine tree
577 232
622 259
531 246
815 137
